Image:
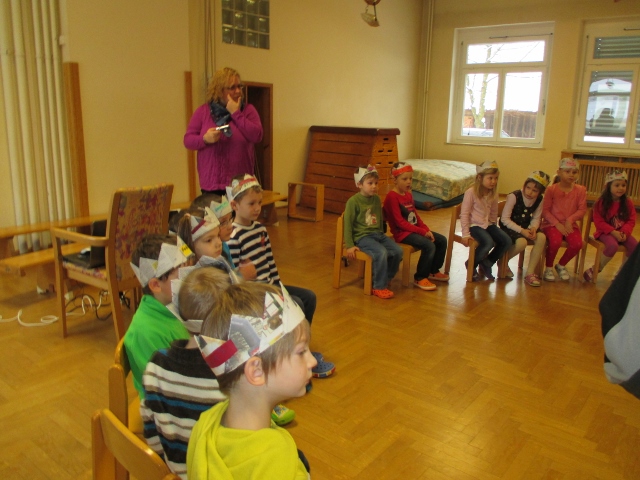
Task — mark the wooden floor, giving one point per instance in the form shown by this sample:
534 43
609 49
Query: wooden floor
490 380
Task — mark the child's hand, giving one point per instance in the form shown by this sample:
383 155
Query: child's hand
617 235
351 253
248 270
561 228
212 136
623 237
465 241
429 235
569 226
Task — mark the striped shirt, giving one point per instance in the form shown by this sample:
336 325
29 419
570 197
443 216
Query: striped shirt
179 386
252 243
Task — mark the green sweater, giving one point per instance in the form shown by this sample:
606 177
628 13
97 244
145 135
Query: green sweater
362 217
153 327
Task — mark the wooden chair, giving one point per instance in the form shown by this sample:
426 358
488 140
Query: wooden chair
407 250
113 443
133 214
587 240
341 251
124 404
564 244
455 235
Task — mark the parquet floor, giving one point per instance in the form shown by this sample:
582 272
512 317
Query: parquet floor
489 380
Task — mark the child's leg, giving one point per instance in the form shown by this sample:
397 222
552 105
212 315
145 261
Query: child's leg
517 248
440 241
554 240
305 298
630 244
370 245
610 249
536 252
394 256
427 251
574 240
502 243
485 243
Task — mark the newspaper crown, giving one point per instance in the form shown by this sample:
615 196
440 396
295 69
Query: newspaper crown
569 163
615 175
195 325
486 165
402 168
171 256
540 177
239 186
249 336
364 171
202 225
221 209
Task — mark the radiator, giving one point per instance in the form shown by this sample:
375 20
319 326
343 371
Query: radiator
594 168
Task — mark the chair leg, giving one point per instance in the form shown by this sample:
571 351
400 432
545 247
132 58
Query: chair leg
447 258
472 258
406 264
368 276
521 261
596 264
337 267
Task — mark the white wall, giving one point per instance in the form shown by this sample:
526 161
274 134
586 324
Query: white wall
132 56
328 67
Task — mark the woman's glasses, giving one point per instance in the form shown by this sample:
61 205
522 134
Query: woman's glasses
236 86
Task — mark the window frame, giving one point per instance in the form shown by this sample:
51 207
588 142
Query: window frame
502 34
592 31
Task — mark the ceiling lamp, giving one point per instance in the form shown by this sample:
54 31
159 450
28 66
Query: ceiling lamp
372 20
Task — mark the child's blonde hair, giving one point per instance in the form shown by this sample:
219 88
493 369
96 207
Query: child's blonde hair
480 190
200 291
248 299
255 188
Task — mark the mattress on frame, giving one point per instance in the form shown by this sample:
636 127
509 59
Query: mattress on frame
443 179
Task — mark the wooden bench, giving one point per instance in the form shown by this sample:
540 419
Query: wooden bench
13 264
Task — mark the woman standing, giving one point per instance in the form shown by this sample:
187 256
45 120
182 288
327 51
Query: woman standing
223 131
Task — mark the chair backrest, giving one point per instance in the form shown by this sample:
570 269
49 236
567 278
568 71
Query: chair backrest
112 440
118 396
135 212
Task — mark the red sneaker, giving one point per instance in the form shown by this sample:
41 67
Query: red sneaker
385 294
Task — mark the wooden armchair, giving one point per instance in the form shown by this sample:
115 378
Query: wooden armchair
112 443
134 213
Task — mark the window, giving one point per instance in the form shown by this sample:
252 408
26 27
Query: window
246 22
608 113
499 85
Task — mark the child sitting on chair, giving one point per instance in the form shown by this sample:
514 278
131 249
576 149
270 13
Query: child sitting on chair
363 231
256 341
250 242
407 227
155 262
520 219
178 383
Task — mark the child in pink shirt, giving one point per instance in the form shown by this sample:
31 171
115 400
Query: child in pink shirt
614 217
478 218
564 204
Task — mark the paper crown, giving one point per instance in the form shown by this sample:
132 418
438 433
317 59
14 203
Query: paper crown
195 325
487 165
171 256
239 186
249 336
540 177
221 209
615 175
202 225
402 168
569 163
364 171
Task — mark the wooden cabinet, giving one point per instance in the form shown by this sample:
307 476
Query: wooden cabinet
335 153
